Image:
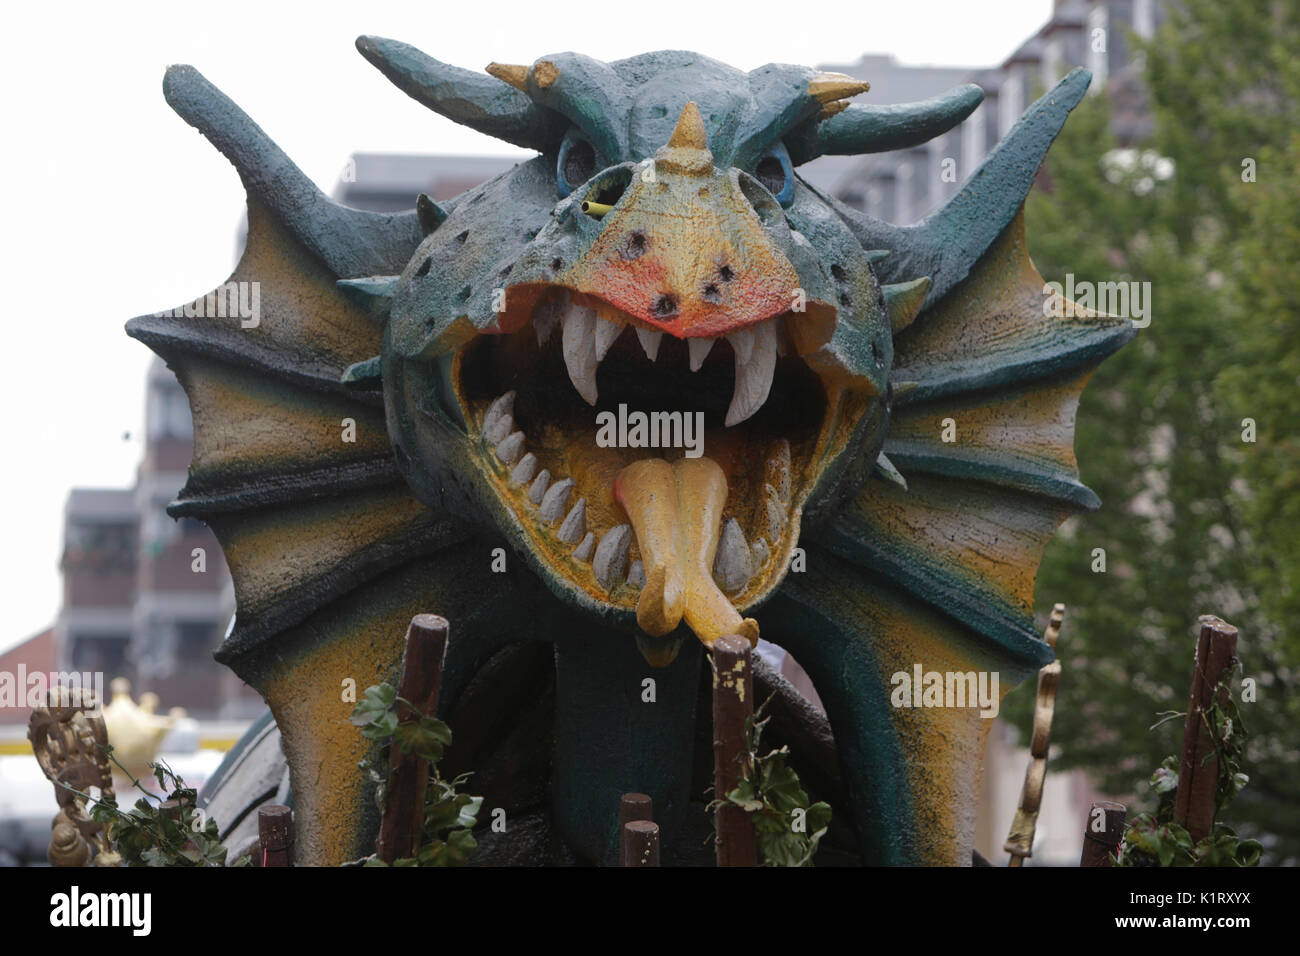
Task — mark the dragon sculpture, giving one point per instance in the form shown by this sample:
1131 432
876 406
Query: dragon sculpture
887 445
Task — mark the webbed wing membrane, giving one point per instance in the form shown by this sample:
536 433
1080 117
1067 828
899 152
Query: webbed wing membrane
301 512
985 441
330 552
933 563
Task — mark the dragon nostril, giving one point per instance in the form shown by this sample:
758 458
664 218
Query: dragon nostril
726 274
557 264
711 293
424 267
665 306
462 237
838 272
635 246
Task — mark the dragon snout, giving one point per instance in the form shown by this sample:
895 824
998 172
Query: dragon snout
685 248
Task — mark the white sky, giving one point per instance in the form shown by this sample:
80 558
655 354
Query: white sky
117 208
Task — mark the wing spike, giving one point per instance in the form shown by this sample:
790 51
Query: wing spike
372 293
903 300
367 374
885 468
430 214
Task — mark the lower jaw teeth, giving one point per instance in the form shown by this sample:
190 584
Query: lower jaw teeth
689 556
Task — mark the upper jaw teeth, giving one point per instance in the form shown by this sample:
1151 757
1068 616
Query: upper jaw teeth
587 335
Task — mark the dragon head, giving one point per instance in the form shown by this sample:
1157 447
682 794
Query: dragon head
653 354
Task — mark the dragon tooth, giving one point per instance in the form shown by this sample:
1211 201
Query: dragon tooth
700 348
538 488
760 554
611 555
607 331
742 343
502 426
511 448
583 551
649 339
773 512
754 377
778 469
636 574
575 523
504 405
733 565
522 473
579 340
553 501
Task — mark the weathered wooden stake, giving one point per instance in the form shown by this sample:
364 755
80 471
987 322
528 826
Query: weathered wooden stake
1102 833
275 833
1020 841
635 806
1198 773
640 845
426 646
733 704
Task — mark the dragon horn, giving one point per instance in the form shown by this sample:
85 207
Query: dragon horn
480 102
877 129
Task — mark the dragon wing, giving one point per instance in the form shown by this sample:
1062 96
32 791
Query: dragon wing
330 553
933 562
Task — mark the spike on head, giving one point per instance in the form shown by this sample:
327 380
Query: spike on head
687 150
689 133
515 75
829 87
544 74
430 214
830 109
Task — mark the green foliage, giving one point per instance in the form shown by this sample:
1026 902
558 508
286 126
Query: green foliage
1194 520
447 832
149 835
787 827
1154 839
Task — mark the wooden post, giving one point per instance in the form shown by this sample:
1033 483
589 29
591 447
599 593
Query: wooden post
1198 774
1020 841
635 806
426 646
733 703
1102 833
640 845
275 833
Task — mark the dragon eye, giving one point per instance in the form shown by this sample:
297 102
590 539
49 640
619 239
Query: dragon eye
576 165
774 171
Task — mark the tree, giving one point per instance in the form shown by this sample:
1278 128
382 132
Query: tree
1194 519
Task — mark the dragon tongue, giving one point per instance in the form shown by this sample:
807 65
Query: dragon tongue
676 513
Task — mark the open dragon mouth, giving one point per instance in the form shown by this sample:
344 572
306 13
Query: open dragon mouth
654 473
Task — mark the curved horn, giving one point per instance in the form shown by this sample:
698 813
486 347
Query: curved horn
594 97
877 129
480 102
